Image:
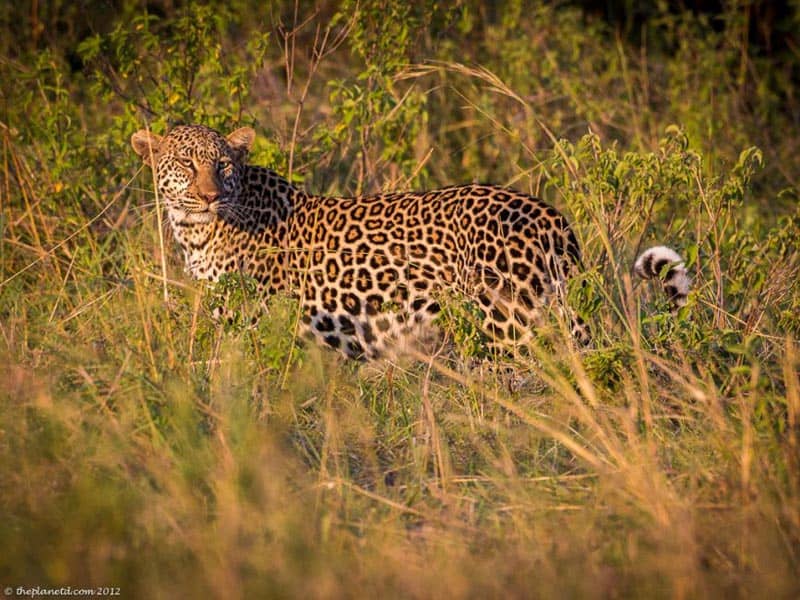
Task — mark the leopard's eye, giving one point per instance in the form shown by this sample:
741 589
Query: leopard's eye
224 163
185 162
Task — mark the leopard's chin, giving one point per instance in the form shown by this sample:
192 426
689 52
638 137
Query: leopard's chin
196 217
201 218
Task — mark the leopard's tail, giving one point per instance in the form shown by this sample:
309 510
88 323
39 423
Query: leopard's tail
667 265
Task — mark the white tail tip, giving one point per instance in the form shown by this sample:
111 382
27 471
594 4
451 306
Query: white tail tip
675 281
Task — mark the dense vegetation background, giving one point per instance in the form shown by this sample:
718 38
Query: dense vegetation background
143 446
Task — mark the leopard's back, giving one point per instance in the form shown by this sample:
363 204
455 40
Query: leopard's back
372 269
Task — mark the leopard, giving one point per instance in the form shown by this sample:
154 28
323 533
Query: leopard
369 272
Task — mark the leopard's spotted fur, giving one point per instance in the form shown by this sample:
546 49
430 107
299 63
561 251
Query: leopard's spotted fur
366 270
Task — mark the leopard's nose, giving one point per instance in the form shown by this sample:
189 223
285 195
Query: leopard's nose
210 196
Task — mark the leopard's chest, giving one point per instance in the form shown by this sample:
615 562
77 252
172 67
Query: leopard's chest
213 249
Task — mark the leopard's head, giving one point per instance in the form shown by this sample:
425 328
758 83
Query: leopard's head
198 171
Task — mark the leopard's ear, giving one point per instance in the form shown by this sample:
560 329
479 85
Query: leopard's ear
241 140
147 145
